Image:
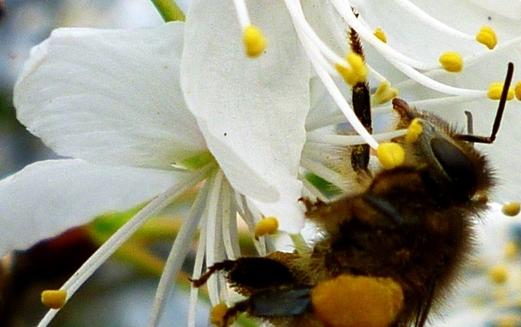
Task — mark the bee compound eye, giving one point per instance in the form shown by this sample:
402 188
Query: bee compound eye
456 165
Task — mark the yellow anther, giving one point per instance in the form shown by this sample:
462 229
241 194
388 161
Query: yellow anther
414 131
498 274
346 73
357 301
54 299
511 250
517 90
487 36
384 93
496 88
358 65
451 61
267 226
217 314
390 154
254 41
356 73
380 34
511 208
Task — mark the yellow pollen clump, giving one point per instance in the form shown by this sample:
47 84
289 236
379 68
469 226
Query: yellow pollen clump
217 314
414 131
391 155
357 301
511 250
356 73
511 209
358 65
266 226
54 299
451 61
498 274
487 36
496 88
384 93
380 34
254 41
517 90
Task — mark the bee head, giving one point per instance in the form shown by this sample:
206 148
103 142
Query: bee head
453 166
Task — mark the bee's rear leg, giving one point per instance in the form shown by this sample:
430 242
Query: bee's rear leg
231 314
247 274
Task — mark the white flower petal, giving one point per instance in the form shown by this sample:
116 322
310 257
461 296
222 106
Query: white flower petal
507 8
251 111
109 96
47 197
410 34
327 24
287 209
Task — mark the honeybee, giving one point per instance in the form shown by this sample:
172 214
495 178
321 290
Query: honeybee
409 231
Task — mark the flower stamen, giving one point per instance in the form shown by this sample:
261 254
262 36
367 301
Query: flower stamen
451 61
431 21
177 254
254 41
214 249
348 140
198 268
123 234
517 91
229 223
54 299
487 36
344 9
496 88
266 226
253 38
380 34
384 93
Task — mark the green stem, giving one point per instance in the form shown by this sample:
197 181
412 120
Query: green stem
169 10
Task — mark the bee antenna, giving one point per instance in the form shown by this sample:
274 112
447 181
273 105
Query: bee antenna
499 113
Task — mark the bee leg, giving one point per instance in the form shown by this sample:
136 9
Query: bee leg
384 207
224 265
250 273
232 313
310 205
407 114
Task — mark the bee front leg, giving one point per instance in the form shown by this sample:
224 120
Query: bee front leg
311 205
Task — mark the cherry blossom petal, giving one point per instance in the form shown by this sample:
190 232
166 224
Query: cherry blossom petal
251 114
411 35
109 96
47 197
